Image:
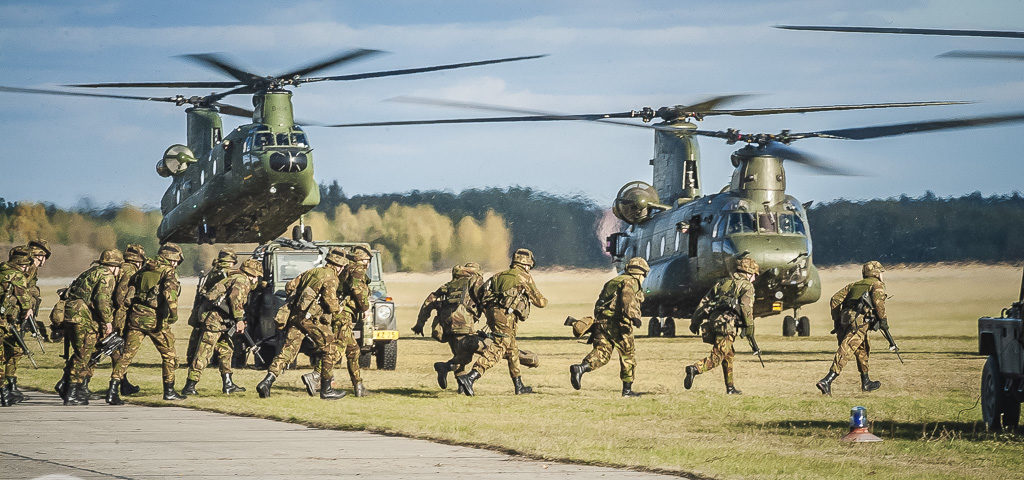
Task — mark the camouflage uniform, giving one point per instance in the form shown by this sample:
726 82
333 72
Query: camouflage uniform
853 318
221 311
311 308
616 312
134 258
507 298
354 297
221 267
154 308
15 303
719 329
40 252
456 304
88 316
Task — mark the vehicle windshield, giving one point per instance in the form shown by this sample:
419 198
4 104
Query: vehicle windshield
291 264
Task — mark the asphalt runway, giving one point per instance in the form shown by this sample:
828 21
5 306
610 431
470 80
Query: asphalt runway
42 438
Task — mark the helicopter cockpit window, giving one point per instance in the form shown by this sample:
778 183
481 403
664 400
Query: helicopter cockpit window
248 144
263 140
282 139
767 223
299 139
741 223
791 224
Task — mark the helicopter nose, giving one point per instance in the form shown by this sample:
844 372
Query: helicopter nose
771 251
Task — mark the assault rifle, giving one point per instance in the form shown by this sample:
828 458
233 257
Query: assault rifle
748 331
110 344
31 321
892 343
251 346
21 343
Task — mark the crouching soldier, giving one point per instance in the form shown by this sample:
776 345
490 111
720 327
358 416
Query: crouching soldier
88 317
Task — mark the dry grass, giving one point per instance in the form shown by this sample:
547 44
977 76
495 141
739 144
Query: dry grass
780 428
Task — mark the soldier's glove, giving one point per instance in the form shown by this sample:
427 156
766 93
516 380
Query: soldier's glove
637 322
881 324
694 326
418 330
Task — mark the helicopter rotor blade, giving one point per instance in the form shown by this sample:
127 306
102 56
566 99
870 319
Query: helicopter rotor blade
825 108
232 110
526 118
175 99
814 162
221 63
343 57
407 71
156 84
865 133
908 31
983 55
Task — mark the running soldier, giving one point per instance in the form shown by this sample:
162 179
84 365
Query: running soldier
616 312
223 313
857 308
221 267
15 305
506 299
354 297
88 317
727 307
134 258
456 304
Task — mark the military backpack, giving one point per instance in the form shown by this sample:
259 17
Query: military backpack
718 314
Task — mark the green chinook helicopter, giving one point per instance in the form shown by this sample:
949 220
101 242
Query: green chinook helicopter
691 239
249 184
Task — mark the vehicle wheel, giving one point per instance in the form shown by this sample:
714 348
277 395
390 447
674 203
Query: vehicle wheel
387 355
653 327
669 329
788 326
992 399
803 327
296 233
364 359
307 234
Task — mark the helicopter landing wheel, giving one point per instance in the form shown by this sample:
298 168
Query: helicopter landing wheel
307 233
297 233
205 234
669 328
788 326
653 327
803 326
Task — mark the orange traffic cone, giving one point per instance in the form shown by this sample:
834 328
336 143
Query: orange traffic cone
859 427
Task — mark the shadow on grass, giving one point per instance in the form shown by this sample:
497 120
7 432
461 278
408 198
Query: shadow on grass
410 392
927 431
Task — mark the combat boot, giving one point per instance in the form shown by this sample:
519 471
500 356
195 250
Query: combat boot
85 388
327 392
61 387
114 393
170 394
359 390
263 388
576 373
127 388
466 381
691 371
189 388
4 397
13 394
868 385
520 389
825 384
731 390
627 390
312 382
229 386
442 369
76 395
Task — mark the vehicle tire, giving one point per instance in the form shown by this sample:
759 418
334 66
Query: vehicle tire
669 328
387 355
296 233
307 234
788 326
992 398
803 327
364 359
1011 414
653 327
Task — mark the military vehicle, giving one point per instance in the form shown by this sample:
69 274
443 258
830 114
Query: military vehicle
285 259
984 55
1002 378
690 238
249 183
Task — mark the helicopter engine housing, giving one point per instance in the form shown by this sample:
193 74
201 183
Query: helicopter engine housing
634 202
175 161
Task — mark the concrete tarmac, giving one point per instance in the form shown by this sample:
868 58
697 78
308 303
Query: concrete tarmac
42 438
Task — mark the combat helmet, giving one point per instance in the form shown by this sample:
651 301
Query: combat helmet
170 251
637 265
134 253
111 257
872 269
747 265
227 257
39 247
359 253
336 257
20 255
252 267
523 256
472 268
458 271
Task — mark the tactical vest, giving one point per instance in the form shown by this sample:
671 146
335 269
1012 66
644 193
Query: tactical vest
504 291
858 299
83 286
604 308
147 285
217 295
719 313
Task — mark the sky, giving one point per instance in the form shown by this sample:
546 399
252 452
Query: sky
604 56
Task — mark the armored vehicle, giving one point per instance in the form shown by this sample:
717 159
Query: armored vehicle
284 260
1002 379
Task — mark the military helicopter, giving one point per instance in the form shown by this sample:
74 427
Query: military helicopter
986 55
692 239
250 184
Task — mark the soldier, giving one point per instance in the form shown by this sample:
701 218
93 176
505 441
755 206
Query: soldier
856 308
15 305
88 317
40 253
221 267
456 307
223 310
616 312
354 297
134 258
506 299
311 308
728 306
154 308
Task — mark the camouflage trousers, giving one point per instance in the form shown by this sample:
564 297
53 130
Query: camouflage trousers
462 353
608 336
853 344
344 343
318 333
83 337
162 339
13 353
209 342
721 353
504 329
3 351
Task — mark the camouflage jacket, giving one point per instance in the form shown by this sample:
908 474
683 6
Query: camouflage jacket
225 301
15 301
620 300
32 279
735 293
91 297
514 291
845 304
354 291
456 303
122 292
155 297
315 294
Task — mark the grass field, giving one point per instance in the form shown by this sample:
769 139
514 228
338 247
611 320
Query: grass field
926 411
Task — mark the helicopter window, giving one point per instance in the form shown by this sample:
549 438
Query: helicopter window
647 254
791 224
767 223
719 228
202 177
248 144
662 246
741 223
282 139
299 139
263 139
678 234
